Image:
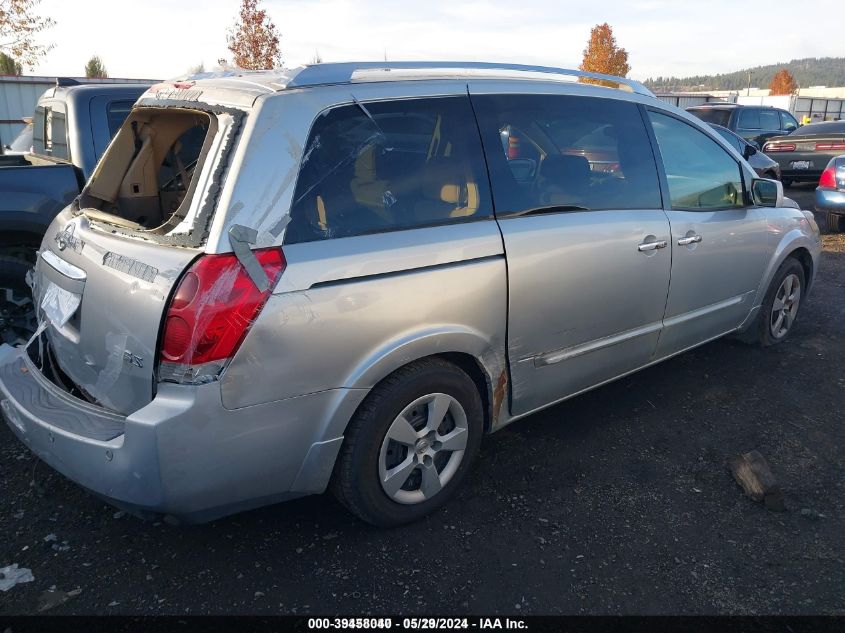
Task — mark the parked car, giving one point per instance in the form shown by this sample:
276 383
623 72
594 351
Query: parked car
320 294
753 123
830 194
803 154
762 164
71 129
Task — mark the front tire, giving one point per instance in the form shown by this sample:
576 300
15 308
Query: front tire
781 303
410 444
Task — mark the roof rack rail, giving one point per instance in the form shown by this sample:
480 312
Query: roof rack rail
344 72
62 82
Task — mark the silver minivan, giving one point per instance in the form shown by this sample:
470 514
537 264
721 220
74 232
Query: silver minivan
342 276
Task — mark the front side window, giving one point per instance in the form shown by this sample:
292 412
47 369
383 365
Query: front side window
701 174
576 153
385 166
788 121
731 138
749 119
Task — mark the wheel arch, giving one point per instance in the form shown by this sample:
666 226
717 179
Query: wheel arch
794 244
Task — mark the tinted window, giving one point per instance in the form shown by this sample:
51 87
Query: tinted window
387 166
712 115
116 114
788 121
749 119
731 138
701 174
769 120
55 133
567 151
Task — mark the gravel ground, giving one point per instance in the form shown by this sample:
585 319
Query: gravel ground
616 502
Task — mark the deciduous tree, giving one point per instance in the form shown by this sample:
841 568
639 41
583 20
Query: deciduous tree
96 68
254 40
8 66
18 26
603 55
783 83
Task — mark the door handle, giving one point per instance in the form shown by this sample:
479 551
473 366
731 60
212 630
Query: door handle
652 246
692 239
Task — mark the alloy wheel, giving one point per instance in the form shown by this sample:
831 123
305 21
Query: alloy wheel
785 306
423 448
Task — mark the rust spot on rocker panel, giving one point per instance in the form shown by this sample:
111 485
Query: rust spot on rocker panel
499 393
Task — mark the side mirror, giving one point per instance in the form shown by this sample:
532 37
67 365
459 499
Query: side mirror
767 193
749 151
789 128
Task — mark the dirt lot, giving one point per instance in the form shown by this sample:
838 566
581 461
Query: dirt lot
616 502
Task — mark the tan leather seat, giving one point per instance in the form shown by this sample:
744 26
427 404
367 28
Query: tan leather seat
448 191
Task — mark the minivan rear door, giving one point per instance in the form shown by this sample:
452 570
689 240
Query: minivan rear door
577 199
109 262
102 299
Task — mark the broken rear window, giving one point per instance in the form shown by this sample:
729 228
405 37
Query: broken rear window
150 179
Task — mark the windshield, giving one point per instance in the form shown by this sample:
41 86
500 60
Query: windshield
23 142
712 115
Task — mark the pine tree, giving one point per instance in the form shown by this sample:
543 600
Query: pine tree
8 66
95 68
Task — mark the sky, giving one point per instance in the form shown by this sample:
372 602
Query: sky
160 39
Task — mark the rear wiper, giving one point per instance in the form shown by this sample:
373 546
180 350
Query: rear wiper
552 208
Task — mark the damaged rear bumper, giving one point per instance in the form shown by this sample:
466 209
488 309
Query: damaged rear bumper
183 454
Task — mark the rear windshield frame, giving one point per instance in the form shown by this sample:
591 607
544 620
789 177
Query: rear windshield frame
198 235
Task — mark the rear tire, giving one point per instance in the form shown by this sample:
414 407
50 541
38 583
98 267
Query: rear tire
786 182
835 223
781 304
410 444
17 312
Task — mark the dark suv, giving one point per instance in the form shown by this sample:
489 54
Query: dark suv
753 123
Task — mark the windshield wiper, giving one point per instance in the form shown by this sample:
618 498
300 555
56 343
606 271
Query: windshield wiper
552 208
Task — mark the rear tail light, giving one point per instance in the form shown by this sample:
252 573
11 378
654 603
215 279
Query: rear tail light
768 148
210 313
828 178
828 146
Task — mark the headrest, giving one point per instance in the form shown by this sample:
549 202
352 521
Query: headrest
445 179
563 170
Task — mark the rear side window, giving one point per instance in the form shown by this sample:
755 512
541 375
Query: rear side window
749 119
388 166
578 153
116 114
50 132
769 120
712 115
701 174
